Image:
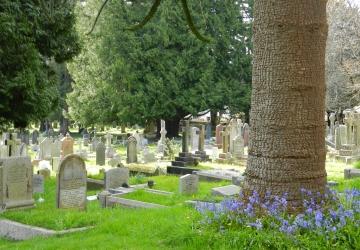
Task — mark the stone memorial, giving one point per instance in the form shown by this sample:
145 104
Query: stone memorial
34 137
71 183
188 184
100 154
45 149
16 183
131 150
56 148
195 133
161 143
246 134
38 184
67 146
116 177
218 130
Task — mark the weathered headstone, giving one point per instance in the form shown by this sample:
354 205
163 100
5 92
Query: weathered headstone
161 143
148 156
55 163
332 126
56 148
138 141
67 146
189 184
45 149
131 150
38 184
195 133
116 177
34 137
246 134
100 154
16 178
71 183
218 130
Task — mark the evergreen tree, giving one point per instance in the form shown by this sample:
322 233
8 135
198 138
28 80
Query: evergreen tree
33 33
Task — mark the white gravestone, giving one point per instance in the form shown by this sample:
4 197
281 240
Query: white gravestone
188 184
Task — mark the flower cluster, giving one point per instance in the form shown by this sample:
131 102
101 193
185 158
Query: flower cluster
322 213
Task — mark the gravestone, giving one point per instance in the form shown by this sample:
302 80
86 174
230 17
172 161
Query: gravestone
23 150
218 130
161 143
246 134
195 134
116 177
55 163
56 148
34 137
100 154
38 184
67 146
238 144
45 149
138 141
148 156
71 183
86 137
332 126
131 150
16 179
233 132
108 138
94 143
189 184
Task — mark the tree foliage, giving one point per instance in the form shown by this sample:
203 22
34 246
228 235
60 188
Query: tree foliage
32 34
160 71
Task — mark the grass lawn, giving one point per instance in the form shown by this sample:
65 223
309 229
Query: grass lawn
175 227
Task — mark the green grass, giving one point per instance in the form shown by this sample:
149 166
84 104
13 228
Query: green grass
170 228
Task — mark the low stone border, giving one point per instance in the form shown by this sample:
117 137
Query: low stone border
351 173
112 200
17 231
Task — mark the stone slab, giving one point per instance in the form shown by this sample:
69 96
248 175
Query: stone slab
350 173
180 170
161 192
218 174
112 200
229 190
17 231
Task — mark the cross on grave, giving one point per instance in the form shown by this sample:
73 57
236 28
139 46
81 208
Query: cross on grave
11 143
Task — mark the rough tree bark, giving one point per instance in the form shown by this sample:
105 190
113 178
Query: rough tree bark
287 147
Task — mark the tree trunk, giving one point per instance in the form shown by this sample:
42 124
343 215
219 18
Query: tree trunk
287 146
214 121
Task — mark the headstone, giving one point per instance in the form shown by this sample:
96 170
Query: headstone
38 184
138 141
195 134
233 132
218 130
56 148
34 137
246 134
108 138
55 163
332 126
25 137
100 154
161 143
71 183
116 160
23 149
337 138
208 131
189 184
238 144
343 136
16 179
94 143
131 150
148 156
45 149
116 177
67 146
